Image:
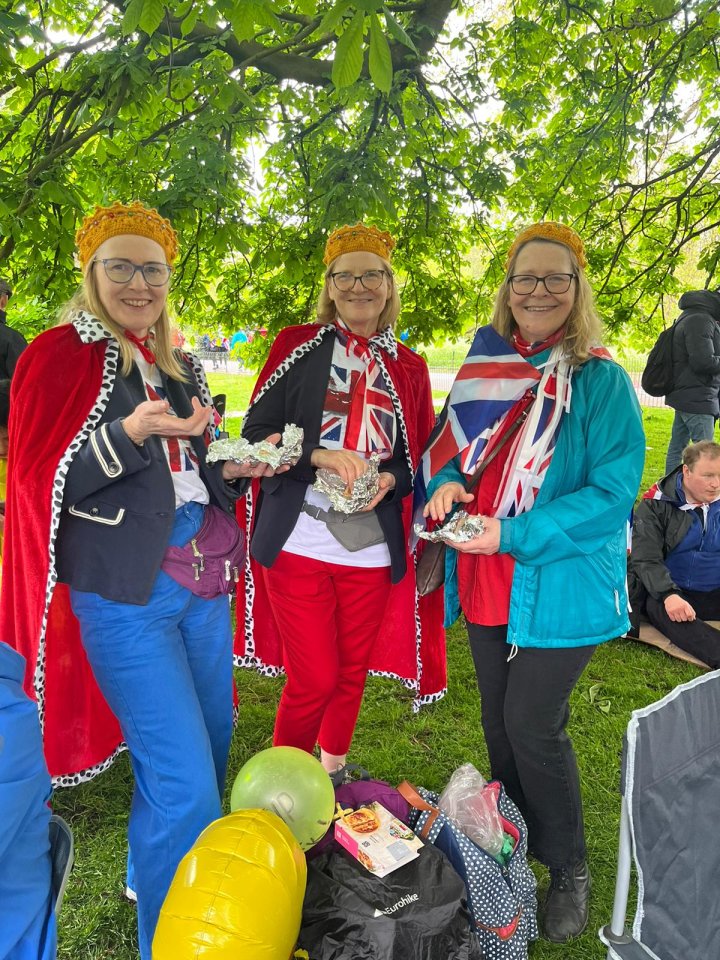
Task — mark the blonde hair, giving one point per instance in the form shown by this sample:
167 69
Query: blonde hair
87 298
583 328
327 311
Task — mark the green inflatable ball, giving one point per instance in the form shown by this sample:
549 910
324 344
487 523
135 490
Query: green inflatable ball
292 784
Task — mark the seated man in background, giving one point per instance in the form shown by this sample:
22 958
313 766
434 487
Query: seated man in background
674 570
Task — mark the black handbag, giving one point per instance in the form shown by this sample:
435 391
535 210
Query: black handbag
430 567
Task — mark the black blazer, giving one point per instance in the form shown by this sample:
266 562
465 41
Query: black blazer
119 501
299 397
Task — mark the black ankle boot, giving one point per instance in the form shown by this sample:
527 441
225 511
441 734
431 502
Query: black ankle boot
567 903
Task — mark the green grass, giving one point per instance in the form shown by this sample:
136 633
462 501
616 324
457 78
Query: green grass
393 744
237 387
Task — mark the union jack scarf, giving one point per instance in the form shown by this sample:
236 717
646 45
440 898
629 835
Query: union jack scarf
358 411
492 381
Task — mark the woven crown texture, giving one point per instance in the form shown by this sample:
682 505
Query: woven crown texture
549 230
118 219
348 239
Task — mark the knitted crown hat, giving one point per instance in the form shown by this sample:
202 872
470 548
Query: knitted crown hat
118 219
349 239
549 230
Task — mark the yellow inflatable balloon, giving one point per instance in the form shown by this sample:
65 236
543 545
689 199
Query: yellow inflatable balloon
237 894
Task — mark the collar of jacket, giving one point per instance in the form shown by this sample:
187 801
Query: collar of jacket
89 328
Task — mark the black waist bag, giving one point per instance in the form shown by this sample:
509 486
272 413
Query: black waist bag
419 912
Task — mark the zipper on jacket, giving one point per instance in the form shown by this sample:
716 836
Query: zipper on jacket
617 602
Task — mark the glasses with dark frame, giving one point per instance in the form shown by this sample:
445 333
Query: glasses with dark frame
120 270
370 280
523 283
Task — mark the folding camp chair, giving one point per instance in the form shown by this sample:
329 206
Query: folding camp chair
62 855
669 829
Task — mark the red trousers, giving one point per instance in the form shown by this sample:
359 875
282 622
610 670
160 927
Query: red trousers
328 617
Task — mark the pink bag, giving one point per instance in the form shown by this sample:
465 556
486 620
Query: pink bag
211 563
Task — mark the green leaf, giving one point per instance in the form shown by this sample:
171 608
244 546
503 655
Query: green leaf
242 20
396 31
131 20
54 192
380 62
188 24
152 16
349 53
333 17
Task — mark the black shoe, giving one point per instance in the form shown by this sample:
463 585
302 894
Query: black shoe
567 903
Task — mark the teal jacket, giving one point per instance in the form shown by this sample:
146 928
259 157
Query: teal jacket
569 586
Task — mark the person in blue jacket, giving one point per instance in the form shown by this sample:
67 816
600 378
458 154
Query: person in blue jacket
27 919
560 428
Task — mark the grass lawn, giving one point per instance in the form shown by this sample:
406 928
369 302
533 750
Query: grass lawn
393 744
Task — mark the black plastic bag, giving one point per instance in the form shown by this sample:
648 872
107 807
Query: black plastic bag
418 912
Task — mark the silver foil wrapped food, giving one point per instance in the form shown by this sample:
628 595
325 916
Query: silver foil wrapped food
240 450
361 493
460 528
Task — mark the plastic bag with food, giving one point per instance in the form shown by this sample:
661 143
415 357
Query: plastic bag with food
473 809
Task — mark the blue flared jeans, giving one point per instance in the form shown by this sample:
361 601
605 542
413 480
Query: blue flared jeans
165 669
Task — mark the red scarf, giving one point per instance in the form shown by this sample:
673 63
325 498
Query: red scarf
526 349
142 345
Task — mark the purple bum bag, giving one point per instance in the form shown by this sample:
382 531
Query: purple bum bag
211 563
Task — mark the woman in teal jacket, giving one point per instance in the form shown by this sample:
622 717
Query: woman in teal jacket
560 428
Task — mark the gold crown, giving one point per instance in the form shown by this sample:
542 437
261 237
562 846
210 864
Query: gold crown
549 230
106 222
348 239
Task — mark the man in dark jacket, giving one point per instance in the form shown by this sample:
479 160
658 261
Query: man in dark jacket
12 343
696 372
675 560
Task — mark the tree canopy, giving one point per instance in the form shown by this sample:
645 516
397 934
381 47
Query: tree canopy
258 126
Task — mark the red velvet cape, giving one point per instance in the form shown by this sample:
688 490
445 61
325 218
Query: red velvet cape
411 644
56 386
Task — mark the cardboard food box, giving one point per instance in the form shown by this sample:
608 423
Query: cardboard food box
376 838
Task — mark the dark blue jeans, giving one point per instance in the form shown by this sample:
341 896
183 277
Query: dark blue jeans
525 709
687 428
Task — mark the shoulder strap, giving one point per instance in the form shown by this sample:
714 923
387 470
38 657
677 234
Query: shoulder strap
475 478
408 791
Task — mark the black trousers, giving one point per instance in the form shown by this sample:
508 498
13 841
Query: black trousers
696 636
525 709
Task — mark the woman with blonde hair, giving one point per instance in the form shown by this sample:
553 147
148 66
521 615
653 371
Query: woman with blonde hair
108 480
324 609
559 427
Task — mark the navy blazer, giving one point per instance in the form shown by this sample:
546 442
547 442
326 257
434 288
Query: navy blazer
119 500
299 397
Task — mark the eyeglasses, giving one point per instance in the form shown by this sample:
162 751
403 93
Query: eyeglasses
370 280
553 282
122 271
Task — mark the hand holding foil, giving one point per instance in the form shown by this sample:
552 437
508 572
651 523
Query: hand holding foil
460 528
349 500
242 451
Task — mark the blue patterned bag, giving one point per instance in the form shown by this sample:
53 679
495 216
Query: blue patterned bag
502 899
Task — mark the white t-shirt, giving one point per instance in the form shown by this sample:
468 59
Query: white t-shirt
311 537
182 459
